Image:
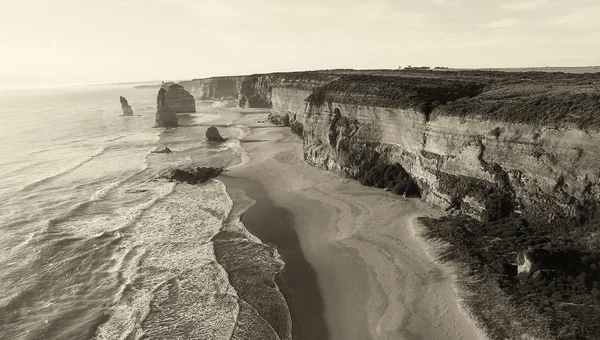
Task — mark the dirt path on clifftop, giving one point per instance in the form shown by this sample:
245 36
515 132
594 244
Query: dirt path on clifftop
374 277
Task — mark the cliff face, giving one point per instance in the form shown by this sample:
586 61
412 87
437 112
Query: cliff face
485 168
255 91
485 144
217 88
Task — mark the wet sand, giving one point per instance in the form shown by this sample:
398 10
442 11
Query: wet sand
354 265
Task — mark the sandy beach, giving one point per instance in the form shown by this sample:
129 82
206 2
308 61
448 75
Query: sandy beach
355 268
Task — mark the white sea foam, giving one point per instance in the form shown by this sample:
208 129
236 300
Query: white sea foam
118 237
178 277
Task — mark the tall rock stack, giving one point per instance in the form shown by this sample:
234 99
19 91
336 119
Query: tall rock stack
165 116
178 99
127 111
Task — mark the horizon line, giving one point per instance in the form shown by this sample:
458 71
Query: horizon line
42 87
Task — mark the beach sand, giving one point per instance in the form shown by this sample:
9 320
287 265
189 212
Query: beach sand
355 268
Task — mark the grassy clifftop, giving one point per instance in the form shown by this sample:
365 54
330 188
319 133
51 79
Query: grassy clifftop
540 98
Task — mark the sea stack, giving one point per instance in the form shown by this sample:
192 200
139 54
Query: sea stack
127 111
178 99
213 135
165 116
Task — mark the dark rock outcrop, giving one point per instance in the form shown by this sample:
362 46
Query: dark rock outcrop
193 176
165 116
127 111
213 135
165 150
178 99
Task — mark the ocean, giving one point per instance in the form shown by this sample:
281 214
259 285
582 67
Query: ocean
94 245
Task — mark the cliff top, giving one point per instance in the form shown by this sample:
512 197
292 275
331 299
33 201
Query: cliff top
541 98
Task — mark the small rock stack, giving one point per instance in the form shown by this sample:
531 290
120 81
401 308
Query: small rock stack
127 111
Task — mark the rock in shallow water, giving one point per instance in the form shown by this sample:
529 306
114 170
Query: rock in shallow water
127 111
179 100
213 135
165 150
193 176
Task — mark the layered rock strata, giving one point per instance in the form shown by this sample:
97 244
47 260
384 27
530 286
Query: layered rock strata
474 164
485 144
217 88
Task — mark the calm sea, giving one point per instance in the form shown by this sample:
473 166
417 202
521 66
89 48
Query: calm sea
90 241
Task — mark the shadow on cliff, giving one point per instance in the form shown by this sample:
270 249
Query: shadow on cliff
298 281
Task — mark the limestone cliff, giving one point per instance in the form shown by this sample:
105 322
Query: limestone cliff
470 162
216 88
178 99
256 90
486 144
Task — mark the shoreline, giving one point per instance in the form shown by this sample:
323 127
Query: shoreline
297 282
374 275
435 248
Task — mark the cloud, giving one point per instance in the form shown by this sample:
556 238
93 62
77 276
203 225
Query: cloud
578 18
504 23
525 5
447 2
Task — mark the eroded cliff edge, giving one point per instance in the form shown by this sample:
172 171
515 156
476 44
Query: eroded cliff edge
514 155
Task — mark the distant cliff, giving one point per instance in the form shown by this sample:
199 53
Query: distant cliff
217 88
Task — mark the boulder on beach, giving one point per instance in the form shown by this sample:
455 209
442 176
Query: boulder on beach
193 176
213 135
165 150
165 116
127 111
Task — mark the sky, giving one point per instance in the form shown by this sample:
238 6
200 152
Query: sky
69 42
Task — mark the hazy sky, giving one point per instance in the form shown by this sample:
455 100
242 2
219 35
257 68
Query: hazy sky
62 42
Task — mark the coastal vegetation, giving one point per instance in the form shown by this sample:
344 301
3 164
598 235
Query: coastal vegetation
560 300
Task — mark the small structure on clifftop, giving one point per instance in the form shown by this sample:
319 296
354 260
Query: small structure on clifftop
213 135
127 111
165 116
